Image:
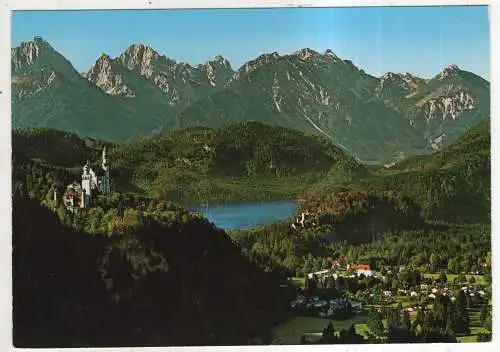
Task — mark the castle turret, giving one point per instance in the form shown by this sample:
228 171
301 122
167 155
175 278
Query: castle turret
86 186
105 185
104 161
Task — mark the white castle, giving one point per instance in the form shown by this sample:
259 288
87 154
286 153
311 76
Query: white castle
93 182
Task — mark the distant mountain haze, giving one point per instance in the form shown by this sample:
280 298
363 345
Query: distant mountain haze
141 92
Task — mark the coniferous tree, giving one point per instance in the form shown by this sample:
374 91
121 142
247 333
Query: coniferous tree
483 314
328 335
406 321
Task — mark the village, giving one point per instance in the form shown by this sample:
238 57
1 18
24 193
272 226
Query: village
347 293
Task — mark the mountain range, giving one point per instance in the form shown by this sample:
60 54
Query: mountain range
141 92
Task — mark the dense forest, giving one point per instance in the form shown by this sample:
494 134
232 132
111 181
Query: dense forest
246 161
430 248
144 278
452 185
252 161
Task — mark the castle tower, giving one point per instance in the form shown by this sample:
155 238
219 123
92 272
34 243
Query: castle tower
105 183
83 200
104 161
86 186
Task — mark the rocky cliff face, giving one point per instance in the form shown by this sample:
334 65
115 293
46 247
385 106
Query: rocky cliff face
216 72
36 66
26 54
450 105
401 85
179 83
252 65
105 76
141 58
374 118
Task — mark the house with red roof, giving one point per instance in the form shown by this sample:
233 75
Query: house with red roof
360 269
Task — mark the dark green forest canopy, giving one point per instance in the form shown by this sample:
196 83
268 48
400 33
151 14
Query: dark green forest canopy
255 161
236 162
430 247
164 277
451 185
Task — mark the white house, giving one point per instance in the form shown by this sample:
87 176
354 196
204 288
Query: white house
322 273
364 272
413 294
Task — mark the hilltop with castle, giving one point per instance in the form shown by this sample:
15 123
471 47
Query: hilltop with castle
94 182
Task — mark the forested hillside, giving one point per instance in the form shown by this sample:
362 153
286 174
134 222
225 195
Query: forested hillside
389 216
244 161
146 277
451 185
138 269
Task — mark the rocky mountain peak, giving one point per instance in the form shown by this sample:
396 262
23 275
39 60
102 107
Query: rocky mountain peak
390 76
391 80
329 52
103 60
138 56
28 52
306 53
39 40
222 61
449 71
218 71
256 63
104 75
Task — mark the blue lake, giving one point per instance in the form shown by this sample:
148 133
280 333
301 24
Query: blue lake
244 215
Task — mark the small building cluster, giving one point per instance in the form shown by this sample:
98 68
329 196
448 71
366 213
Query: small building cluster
94 181
325 307
422 295
356 269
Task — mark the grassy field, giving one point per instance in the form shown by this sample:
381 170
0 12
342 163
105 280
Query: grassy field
312 328
297 281
479 278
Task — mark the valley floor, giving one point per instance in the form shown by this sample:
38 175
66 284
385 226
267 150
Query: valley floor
311 327
291 332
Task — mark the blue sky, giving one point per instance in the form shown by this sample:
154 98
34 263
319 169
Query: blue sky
420 40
